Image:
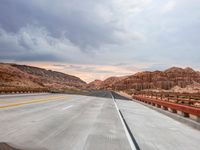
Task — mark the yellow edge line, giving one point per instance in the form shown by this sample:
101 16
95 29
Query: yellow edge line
30 102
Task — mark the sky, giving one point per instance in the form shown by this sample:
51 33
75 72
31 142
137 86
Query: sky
96 39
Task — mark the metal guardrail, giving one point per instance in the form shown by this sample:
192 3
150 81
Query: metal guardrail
22 90
186 110
191 99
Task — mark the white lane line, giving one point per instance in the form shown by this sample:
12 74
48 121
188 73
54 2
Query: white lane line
125 128
65 108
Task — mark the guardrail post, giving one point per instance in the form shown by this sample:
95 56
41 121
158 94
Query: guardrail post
172 110
157 105
164 108
182 113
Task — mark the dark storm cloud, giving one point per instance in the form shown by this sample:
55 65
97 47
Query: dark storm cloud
121 32
77 20
41 57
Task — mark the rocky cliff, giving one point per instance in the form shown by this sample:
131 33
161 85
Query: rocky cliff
153 80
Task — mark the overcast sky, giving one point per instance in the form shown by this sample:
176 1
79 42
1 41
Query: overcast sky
94 39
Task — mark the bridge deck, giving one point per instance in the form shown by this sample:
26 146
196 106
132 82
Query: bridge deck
155 131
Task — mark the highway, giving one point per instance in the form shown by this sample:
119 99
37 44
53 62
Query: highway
74 122
155 131
61 122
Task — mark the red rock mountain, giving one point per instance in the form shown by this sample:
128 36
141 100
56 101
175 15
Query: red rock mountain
13 75
96 84
152 80
22 76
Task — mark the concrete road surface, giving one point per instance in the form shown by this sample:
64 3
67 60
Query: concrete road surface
155 131
61 122
71 122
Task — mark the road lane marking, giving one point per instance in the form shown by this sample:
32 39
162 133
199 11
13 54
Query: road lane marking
32 101
133 147
5 102
67 107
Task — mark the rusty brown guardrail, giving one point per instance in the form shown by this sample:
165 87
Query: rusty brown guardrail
184 110
192 99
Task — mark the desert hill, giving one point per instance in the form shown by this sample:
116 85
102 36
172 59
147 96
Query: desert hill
14 76
22 76
164 80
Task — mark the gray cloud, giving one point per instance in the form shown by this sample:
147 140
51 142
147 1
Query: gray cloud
101 32
77 20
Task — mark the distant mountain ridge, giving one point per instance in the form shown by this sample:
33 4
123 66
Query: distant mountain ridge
165 80
13 75
22 76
